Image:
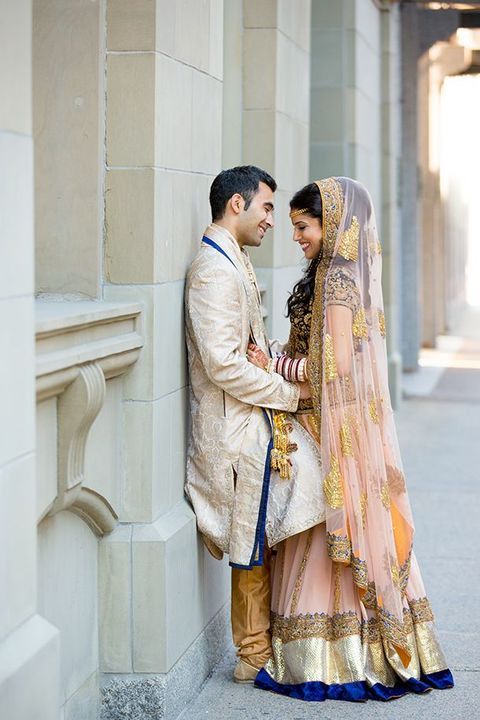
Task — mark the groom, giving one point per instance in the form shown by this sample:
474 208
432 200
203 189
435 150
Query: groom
228 463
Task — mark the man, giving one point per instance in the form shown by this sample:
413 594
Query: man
228 465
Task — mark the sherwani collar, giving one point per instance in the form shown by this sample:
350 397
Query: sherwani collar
242 262
227 242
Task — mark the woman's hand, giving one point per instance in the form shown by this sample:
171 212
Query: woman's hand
305 391
257 356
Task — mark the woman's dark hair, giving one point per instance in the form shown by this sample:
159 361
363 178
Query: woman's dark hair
243 179
308 199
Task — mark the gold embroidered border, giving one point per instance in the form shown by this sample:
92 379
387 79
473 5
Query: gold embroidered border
359 572
332 209
320 625
421 610
370 597
339 625
339 548
394 630
301 572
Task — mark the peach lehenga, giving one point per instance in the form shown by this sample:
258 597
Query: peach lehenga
350 617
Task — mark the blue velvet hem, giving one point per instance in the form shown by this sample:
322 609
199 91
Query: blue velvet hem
355 691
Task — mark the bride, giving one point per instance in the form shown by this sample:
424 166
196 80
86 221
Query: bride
349 617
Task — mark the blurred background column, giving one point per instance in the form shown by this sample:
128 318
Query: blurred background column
354 123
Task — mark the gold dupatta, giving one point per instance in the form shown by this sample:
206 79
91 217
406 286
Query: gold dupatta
368 521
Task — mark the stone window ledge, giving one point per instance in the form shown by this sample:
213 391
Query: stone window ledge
70 334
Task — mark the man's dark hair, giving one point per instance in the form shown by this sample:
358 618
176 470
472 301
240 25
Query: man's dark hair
244 180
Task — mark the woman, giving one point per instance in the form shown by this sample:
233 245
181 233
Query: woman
350 619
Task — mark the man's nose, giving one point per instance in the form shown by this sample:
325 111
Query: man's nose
270 221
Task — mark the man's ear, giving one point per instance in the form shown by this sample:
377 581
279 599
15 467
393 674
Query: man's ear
237 203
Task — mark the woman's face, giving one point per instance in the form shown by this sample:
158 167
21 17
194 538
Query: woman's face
307 232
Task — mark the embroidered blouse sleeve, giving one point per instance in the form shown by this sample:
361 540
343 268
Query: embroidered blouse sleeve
341 289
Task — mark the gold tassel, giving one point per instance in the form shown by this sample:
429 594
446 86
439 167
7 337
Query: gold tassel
330 364
359 327
332 485
281 446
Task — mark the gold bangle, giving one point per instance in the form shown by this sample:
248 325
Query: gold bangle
269 366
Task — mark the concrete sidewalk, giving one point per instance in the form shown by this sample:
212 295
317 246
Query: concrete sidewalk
440 441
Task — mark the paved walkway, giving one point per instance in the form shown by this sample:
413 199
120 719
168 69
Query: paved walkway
439 429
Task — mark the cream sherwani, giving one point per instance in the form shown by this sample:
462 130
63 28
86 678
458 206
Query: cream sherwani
227 481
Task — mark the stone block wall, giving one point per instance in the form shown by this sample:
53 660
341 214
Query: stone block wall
276 52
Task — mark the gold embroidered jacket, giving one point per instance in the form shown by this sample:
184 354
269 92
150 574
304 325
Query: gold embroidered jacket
229 433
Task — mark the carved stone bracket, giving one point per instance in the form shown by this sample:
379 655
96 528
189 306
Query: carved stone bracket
79 347
78 407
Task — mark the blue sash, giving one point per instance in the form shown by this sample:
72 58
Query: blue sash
217 247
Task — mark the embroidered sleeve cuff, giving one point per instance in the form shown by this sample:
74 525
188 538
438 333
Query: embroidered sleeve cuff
294 398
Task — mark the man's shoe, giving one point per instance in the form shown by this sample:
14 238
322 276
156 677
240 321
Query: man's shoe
244 673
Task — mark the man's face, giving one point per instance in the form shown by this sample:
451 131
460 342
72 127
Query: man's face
253 223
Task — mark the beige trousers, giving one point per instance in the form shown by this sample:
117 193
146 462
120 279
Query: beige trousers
250 612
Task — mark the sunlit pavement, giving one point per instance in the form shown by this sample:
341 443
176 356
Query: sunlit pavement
439 430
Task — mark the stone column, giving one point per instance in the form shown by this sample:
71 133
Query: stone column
29 647
345 108
390 211
159 588
276 47
411 275
440 265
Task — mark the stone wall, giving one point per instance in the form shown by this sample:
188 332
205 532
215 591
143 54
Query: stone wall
29 645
